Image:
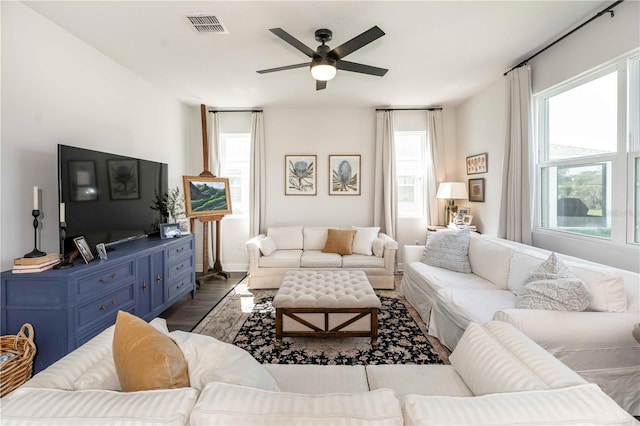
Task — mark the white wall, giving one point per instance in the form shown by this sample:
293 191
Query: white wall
57 89
481 124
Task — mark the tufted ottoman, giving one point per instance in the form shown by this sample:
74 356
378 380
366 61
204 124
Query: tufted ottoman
319 303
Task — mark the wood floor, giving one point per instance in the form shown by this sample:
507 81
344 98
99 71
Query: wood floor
188 312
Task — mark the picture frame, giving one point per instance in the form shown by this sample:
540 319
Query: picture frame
344 174
206 196
461 213
102 251
300 174
466 219
82 181
477 164
476 190
124 179
83 248
170 230
184 225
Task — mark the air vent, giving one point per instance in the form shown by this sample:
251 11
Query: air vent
207 24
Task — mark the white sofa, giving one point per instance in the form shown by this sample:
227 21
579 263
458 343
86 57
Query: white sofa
597 343
517 383
299 247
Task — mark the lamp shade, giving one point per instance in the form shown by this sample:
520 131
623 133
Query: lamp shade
452 191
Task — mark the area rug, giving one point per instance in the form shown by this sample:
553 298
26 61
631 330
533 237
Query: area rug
243 313
400 341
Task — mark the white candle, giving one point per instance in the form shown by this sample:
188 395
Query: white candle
35 198
61 212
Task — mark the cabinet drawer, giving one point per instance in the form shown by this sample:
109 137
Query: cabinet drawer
181 285
179 267
105 308
107 278
180 249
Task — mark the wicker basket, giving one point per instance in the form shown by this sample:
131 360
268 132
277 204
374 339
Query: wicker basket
17 370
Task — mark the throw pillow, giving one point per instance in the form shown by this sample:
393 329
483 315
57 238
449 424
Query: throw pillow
448 250
378 247
145 358
552 286
211 360
267 246
363 240
339 241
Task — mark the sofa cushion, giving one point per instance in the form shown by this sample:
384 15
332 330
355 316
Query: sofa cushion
318 259
221 403
378 247
553 287
473 305
211 360
315 237
281 259
287 237
490 260
102 375
339 241
606 287
501 371
360 261
448 250
363 240
583 404
267 246
26 406
145 358
522 263
318 379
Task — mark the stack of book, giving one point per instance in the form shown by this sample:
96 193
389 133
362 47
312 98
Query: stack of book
471 228
28 265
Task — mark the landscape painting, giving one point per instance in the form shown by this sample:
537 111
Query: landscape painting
206 196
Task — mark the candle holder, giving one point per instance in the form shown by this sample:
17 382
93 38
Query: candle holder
63 234
35 252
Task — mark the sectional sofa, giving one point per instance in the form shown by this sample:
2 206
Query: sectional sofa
597 343
299 247
497 376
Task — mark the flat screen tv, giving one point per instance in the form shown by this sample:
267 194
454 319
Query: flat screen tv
108 197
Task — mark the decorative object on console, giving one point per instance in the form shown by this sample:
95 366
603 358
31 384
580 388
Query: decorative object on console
477 164
63 234
183 225
83 248
102 251
344 174
451 191
206 196
476 190
462 212
300 175
466 219
35 213
169 230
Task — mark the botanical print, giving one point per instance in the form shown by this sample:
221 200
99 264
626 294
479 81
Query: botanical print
300 175
344 175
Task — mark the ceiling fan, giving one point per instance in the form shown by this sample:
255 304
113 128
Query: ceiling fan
324 62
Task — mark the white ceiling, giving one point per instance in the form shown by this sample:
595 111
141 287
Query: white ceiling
437 52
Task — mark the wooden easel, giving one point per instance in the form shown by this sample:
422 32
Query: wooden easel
217 265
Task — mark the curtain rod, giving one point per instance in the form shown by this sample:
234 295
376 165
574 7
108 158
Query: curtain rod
214 111
409 109
608 9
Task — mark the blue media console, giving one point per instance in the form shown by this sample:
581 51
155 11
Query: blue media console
68 307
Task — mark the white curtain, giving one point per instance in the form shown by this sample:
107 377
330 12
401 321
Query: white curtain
516 204
385 200
434 167
257 190
214 166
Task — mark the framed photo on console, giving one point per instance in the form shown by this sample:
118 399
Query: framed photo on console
206 196
83 248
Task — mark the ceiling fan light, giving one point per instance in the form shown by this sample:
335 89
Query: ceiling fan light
323 72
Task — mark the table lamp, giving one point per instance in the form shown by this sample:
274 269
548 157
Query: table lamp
451 191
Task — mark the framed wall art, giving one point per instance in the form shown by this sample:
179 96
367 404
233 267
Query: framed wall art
477 164
124 183
344 175
476 190
206 196
300 175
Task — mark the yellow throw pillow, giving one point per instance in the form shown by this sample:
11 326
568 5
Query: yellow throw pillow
145 358
339 241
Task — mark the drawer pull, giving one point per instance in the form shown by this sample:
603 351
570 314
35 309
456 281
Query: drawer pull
180 286
180 250
104 308
179 267
158 279
102 280
145 286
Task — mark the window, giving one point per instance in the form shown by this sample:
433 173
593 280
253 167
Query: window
584 154
410 172
235 154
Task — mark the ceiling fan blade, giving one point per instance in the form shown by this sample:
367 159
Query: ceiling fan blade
293 41
357 42
320 84
287 67
364 69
